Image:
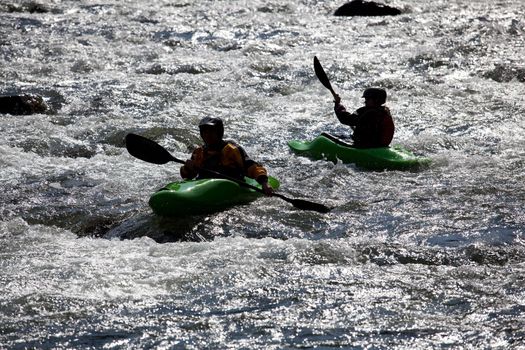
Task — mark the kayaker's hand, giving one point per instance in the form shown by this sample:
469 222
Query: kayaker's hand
337 99
267 189
190 166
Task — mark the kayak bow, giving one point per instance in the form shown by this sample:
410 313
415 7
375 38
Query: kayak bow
204 196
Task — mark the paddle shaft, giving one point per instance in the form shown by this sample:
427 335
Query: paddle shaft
151 152
298 203
224 176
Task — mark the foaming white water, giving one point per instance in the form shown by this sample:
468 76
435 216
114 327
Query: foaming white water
426 259
44 260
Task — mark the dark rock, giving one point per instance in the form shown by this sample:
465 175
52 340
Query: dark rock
505 74
362 8
29 6
34 7
22 105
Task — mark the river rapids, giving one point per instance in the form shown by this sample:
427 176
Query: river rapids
427 259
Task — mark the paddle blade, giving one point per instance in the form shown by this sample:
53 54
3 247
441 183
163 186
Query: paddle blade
148 150
304 204
321 75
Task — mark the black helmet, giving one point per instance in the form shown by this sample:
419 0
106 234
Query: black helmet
375 93
212 122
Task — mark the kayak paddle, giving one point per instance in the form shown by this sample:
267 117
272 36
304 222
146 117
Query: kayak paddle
151 152
321 75
323 78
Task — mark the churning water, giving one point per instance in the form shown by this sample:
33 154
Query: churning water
432 259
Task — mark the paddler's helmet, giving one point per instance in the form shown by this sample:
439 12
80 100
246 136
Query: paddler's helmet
212 122
375 93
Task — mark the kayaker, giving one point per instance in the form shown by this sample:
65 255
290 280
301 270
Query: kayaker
223 156
372 124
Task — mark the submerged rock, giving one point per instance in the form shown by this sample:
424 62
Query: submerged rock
505 74
365 8
22 104
28 6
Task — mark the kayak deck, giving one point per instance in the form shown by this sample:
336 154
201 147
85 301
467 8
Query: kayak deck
382 158
191 197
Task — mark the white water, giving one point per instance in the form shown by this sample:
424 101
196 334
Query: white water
429 259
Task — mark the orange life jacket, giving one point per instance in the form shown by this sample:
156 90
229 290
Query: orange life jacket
229 159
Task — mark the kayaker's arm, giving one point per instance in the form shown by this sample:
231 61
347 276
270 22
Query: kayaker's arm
254 170
343 115
190 169
267 189
259 173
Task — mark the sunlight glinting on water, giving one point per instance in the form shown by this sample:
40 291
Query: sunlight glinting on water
419 259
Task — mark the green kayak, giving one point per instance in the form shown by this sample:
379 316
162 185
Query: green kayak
384 158
203 196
